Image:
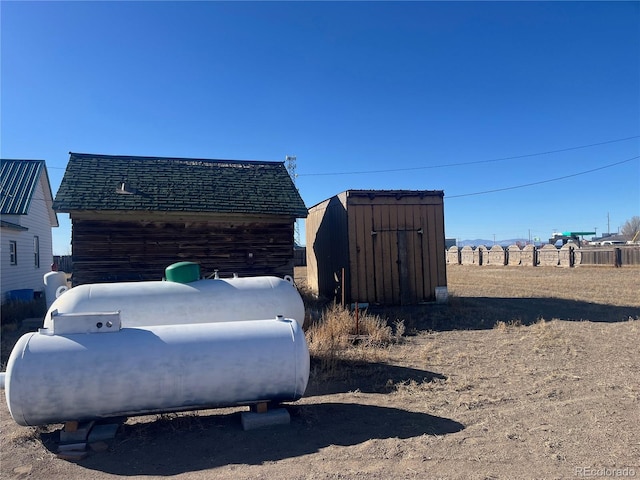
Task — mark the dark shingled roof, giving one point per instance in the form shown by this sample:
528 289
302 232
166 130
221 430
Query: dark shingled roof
110 182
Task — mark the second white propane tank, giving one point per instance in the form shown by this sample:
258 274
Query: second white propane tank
53 378
54 284
201 301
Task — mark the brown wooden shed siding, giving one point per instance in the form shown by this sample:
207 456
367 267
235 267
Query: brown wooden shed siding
328 252
395 246
107 249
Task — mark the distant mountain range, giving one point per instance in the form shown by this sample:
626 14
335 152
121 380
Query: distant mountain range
489 243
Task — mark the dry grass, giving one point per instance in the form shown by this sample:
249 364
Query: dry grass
500 298
343 334
603 285
507 326
525 373
13 313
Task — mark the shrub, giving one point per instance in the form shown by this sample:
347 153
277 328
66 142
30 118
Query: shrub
339 335
14 312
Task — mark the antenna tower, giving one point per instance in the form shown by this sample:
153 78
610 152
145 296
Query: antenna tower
290 163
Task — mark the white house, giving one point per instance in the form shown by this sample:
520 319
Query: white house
26 219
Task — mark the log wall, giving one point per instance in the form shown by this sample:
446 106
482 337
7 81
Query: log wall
105 250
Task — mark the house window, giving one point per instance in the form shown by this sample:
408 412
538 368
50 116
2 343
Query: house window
13 252
36 252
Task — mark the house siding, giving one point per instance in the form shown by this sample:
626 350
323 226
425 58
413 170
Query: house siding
25 275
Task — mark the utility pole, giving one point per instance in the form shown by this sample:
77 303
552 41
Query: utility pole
608 226
290 163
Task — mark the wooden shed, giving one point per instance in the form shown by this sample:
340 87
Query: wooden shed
388 245
133 216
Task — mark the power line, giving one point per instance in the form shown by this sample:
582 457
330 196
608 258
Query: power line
514 187
544 181
458 164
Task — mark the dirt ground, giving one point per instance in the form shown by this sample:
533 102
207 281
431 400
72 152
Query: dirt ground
526 387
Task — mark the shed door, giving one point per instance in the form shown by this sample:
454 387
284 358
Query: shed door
395 255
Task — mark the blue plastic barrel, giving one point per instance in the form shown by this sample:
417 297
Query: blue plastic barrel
21 295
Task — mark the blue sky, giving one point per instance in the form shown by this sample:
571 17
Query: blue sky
366 95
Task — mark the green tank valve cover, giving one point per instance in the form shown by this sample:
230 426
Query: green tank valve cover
182 272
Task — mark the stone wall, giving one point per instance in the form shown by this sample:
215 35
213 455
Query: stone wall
497 256
546 256
468 256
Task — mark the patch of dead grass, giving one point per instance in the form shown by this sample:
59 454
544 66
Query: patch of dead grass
342 334
507 326
24 435
547 337
603 285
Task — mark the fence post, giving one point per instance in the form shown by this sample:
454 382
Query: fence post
617 255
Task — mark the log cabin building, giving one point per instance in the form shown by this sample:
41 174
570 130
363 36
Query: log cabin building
134 216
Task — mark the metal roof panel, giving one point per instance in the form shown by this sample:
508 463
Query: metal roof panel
18 182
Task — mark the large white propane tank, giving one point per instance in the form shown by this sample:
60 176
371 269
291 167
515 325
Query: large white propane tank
86 366
200 301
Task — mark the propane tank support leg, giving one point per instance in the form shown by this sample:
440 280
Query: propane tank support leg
253 420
